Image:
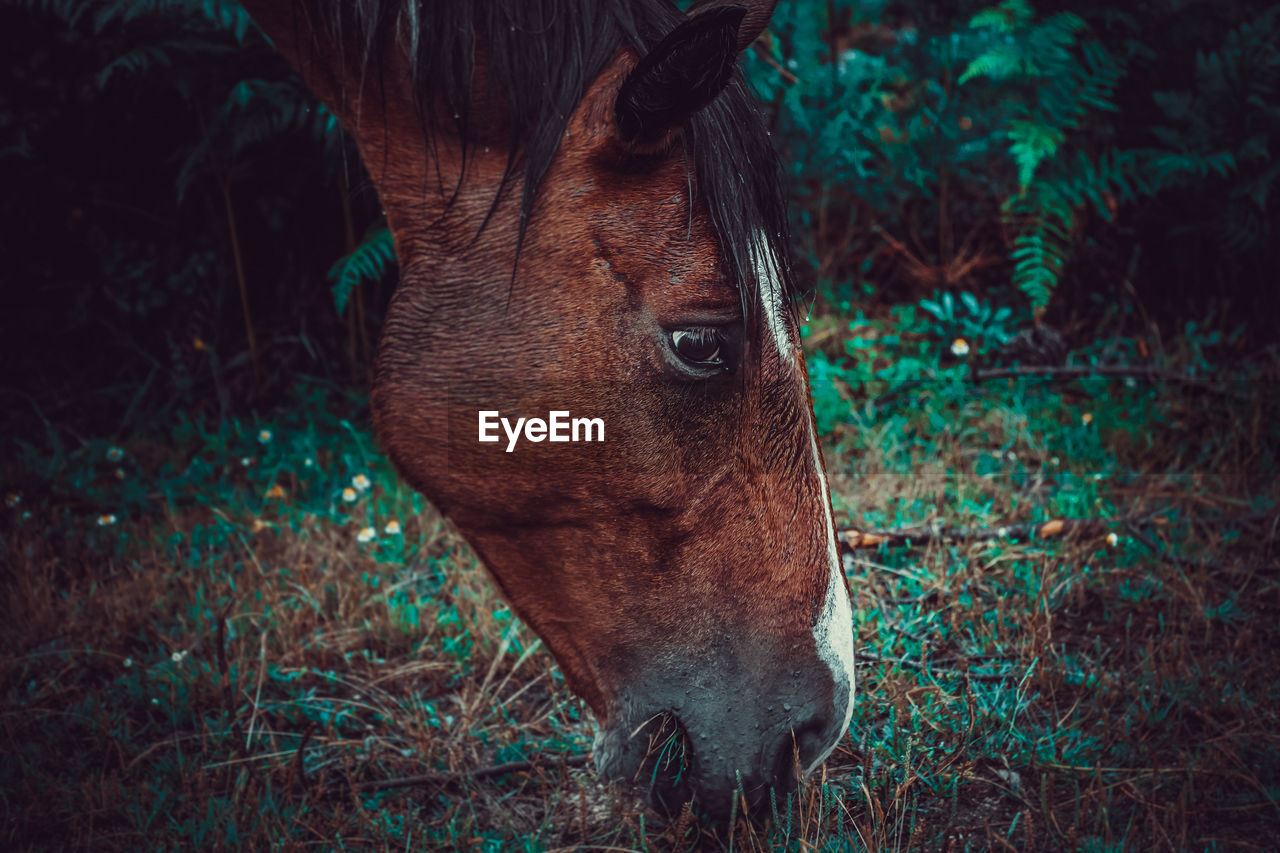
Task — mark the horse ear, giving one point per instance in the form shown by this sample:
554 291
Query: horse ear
680 76
753 23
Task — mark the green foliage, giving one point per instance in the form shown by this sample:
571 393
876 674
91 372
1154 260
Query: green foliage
217 601
256 112
1222 137
208 602
929 147
970 318
366 263
1053 76
185 176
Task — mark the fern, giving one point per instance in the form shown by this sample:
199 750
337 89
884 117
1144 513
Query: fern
366 263
1001 62
1010 16
1221 136
1030 143
255 111
162 55
1057 76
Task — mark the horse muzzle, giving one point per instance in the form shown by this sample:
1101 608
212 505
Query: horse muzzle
726 740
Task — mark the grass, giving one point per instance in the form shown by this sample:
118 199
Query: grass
215 639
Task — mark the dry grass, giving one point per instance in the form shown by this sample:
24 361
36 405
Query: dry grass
228 672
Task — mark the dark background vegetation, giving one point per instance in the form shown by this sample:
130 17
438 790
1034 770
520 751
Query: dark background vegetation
192 255
167 179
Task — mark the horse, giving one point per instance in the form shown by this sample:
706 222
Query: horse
589 219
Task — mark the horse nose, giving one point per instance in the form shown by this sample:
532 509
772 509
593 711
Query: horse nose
803 745
743 762
783 760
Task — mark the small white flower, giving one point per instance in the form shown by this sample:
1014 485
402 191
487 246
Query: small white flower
246 461
1113 540
308 462
264 436
392 528
1054 461
107 519
1011 456
12 499
959 347
155 701
349 495
1002 532
114 454
361 482
128 662
176 657
366 534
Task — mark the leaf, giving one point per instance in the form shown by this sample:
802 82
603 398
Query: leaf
1031 143
366 262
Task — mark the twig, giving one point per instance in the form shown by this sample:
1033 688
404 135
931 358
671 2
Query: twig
466 775
763 53
853 538
299 766
1072 371
1218 565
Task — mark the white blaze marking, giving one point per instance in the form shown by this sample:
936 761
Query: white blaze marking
833 632
771 297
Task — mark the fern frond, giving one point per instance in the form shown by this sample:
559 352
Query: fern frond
68 11
1009 16
1000 62
255 111
1030 143
366 263
223 17
162 55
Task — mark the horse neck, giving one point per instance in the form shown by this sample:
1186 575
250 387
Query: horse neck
436 199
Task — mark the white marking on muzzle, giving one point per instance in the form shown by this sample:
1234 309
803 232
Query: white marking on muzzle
833 632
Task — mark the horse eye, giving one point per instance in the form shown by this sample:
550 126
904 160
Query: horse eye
699 347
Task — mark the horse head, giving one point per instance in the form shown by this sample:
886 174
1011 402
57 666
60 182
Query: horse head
633 271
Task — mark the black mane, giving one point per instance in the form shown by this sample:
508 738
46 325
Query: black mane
542 54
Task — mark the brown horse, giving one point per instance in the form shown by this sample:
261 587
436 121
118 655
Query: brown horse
589 220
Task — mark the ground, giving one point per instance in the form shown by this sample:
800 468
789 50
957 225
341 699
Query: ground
233 634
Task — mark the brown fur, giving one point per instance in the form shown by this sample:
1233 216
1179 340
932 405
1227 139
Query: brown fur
694 536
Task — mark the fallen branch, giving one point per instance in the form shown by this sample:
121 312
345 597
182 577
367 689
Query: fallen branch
853 538
1075 371
442 779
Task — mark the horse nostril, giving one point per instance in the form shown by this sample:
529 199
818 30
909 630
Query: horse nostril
665 769
786 766
802 746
